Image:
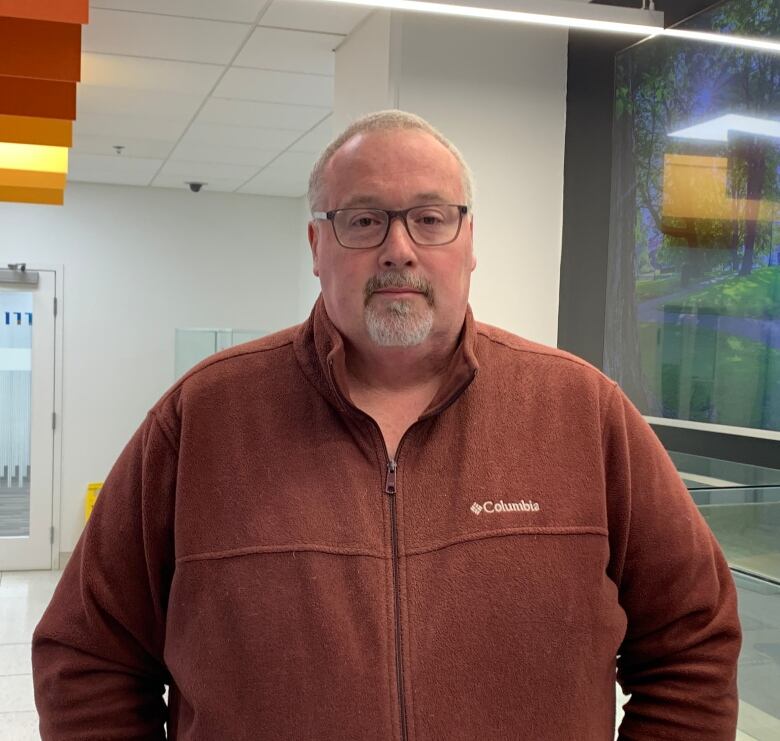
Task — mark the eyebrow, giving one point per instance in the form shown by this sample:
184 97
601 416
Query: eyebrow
369 200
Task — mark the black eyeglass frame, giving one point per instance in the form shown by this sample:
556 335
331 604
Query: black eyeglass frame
331 215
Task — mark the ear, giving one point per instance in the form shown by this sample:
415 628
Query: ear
313 243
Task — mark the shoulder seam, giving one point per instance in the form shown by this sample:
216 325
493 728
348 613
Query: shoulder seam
190 374
166 431
242 353
573 359
610 401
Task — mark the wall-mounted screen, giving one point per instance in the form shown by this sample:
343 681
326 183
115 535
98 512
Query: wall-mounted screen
693 304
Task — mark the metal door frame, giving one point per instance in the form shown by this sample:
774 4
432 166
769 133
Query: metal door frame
56 481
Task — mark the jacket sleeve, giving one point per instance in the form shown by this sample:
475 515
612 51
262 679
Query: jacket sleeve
678 659
97 652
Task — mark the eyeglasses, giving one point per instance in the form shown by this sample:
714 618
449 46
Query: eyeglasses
364 228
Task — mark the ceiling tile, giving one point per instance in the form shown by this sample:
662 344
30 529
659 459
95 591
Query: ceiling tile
268 115
123 102
317 139
276 87
148 74
134 147
194 152
239 136
164 37
244 11
206 172
222 185
92 124
92 168
292 51
286 176
310 15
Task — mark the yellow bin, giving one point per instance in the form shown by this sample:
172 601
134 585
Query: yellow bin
93 490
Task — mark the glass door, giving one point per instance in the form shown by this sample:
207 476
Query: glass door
27 316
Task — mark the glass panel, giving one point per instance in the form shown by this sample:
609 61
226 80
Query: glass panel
741 503
702 472
194 345
246 335
746 523
758 675
693 330
224 339
16 319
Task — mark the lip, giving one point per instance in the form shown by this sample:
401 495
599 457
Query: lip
398 291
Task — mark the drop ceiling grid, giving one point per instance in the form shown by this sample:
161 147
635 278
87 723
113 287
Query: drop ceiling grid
299 104
247 35
235 11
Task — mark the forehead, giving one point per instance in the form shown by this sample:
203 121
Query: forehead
393 168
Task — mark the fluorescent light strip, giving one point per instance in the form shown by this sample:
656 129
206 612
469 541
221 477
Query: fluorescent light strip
723 39
512 16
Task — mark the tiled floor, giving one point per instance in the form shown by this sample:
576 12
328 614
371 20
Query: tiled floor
25 595
23 598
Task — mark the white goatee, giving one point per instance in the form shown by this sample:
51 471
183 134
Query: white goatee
402 322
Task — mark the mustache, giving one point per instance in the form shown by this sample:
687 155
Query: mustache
396 279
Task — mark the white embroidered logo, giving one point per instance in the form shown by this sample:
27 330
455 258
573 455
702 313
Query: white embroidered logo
502 506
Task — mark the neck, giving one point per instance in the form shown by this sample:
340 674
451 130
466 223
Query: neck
398 369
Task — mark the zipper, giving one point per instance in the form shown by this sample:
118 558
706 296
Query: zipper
392 467
390 489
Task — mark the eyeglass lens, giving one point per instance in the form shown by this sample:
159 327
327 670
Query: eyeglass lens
366 227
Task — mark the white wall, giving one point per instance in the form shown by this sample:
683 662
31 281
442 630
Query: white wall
139 263
499 92
309 284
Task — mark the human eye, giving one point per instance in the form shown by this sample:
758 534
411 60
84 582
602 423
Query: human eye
364 219
429 216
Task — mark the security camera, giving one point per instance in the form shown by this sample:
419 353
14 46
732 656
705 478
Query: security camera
195 187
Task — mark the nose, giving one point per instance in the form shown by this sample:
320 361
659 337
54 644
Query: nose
398 249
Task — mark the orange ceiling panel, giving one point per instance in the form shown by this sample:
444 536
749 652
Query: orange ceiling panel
48 196
61 11
51 132
39 98
40 49
28 179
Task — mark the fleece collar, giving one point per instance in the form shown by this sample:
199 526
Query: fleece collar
319 349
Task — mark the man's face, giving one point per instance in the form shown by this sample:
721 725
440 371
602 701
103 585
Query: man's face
399 293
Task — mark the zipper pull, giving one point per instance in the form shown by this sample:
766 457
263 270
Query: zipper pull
390 484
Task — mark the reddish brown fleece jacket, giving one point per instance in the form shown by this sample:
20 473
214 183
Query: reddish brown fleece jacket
246 550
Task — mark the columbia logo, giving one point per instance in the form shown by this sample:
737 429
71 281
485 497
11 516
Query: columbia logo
502 506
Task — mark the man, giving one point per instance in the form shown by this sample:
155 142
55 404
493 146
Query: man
391 522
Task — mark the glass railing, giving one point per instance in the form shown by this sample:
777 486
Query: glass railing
741 503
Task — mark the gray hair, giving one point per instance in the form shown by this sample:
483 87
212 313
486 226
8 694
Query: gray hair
391 120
